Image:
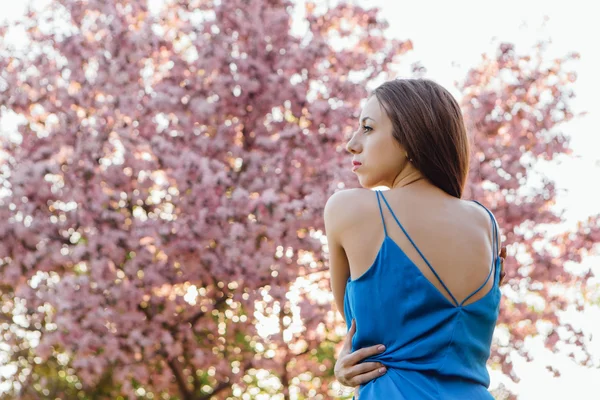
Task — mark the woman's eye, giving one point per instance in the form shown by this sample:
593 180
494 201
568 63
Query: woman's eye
367 128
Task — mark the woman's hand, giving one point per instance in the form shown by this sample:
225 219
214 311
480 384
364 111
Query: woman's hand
347 369
502 258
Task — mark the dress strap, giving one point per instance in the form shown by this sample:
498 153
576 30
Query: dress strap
494 268
381 212
494 230
419 251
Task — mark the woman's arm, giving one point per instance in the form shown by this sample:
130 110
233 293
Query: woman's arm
339 269
349 369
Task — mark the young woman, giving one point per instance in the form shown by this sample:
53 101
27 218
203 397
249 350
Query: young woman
414 268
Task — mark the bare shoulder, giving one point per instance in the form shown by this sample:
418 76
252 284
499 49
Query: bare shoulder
343 205
350 194
486 219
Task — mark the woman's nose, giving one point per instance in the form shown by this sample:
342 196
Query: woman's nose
352 147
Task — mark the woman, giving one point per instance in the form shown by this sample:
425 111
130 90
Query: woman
415 268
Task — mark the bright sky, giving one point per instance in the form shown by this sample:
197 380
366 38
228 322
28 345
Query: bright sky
449 38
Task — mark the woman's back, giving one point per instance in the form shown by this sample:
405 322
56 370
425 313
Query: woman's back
424 282
454 235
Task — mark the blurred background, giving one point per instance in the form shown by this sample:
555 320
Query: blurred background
165 164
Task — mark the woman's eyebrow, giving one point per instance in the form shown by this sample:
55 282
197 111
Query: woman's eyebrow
366 118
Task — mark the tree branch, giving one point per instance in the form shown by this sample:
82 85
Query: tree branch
196 317
185 393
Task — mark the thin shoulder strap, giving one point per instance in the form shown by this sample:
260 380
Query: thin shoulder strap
496 245
381 212
494 230
494 268
418 250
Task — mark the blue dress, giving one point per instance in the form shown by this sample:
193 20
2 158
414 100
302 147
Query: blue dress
435 348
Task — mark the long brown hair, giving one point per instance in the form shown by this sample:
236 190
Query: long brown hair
428 124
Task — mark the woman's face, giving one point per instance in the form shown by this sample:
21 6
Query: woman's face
372 144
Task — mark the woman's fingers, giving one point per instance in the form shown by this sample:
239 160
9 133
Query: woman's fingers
365 368
349 370
361 354
502 270
363 373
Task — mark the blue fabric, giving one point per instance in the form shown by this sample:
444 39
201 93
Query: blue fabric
435 348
